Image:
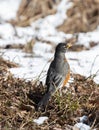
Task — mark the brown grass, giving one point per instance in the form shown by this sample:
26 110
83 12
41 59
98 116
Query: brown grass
18 99
82 17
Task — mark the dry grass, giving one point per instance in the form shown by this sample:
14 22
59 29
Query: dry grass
82 17
32 10
18 100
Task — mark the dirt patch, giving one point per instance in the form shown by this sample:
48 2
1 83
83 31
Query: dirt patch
82 17
18 100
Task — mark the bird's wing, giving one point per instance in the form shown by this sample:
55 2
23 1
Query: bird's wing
54 80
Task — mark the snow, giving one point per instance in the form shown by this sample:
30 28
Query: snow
45 29
42 28
86 38
40 120
86 63
82 126
8 9
6 31
83 118
30 67
60 16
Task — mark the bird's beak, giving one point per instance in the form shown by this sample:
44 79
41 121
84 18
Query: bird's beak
68 45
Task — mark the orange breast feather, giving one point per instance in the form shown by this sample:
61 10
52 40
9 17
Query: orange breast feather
66 79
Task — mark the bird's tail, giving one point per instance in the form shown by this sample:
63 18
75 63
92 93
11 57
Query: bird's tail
42 104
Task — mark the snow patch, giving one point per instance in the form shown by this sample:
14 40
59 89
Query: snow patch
8 9
40 120
82 126
86 38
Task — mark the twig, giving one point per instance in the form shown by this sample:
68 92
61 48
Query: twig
93 65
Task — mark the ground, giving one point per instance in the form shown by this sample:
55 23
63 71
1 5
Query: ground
27 44
18 100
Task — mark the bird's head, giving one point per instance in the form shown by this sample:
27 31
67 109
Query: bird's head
62 47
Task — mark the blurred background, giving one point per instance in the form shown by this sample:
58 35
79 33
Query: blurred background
30 30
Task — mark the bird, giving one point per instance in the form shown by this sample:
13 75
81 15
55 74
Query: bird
58 73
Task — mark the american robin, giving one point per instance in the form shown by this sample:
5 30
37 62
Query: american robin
58 73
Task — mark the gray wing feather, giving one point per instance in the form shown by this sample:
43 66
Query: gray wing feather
54 80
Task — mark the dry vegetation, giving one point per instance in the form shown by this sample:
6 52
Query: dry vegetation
18 100
31 10
82 17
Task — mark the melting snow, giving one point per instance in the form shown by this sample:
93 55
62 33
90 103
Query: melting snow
86 63
82 126
8 9
40 120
